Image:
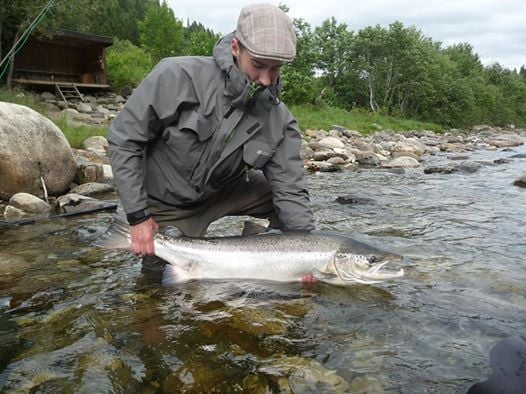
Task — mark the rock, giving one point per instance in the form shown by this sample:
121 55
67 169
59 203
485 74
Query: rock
483 129
339 128
331 142
323 154
335 134
349 199
344 154
336 160
351 133
403 162
321 166
410 145
95 157
521 182
455 139
468 166
440 170
93 189
12 214
459 157
75 202
31 147
29 203
88 171
97 144
107 174
506 140
70 112
369 159
84 108
430 141
306 152
406 154
47 96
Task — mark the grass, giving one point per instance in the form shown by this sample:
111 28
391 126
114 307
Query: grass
313 117
74 132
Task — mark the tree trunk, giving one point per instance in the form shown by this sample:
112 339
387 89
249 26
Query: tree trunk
9 80
0 40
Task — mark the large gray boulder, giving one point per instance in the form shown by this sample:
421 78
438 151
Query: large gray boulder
31 147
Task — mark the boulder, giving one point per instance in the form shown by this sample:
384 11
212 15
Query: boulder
97 144
32 147
28 203
403 162
23 205
331 142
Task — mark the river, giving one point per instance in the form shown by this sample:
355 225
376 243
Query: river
77 319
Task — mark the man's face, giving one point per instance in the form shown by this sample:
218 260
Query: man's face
264 72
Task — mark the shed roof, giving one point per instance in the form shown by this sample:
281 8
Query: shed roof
74 38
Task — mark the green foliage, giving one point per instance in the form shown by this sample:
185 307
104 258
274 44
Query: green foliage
199 40
127 64
161 34
21 97
299 84
76 134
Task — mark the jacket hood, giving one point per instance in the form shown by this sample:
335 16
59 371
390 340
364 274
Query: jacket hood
237 84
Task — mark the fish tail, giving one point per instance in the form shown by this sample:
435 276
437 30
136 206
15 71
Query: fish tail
117 236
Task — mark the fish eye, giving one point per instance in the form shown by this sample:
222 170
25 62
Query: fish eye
372 259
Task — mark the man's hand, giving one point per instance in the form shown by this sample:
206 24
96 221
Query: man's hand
142 237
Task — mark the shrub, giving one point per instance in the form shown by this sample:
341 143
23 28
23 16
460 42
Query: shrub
127 65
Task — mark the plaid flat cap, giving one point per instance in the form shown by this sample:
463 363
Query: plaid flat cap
266 32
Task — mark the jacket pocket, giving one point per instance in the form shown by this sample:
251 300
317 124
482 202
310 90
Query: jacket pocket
188 140
256 153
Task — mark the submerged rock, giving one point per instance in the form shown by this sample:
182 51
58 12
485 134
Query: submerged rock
349 199
521 182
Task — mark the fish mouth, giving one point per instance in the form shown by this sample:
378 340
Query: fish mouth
364 269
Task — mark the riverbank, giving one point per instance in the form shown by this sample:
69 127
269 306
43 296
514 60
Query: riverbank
91 118
336 149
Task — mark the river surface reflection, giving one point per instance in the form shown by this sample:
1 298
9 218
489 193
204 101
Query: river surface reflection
78 319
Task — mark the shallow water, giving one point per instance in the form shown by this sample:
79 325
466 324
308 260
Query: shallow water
77 319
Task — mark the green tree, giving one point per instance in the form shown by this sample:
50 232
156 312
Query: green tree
161 34
332 42
299 83
127 64
199 41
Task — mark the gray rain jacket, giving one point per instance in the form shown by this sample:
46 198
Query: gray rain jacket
191 127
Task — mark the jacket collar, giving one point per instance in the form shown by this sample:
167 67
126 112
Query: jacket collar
237 84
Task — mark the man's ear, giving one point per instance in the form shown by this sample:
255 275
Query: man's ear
234 46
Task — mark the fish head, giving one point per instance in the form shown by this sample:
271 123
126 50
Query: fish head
368 269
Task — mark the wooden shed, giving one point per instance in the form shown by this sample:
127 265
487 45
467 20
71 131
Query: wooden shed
67 62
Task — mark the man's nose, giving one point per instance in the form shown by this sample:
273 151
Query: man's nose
265 78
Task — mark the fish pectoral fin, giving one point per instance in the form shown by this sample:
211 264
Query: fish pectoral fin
180 273
324 275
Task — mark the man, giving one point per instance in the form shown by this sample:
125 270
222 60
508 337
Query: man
206 137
